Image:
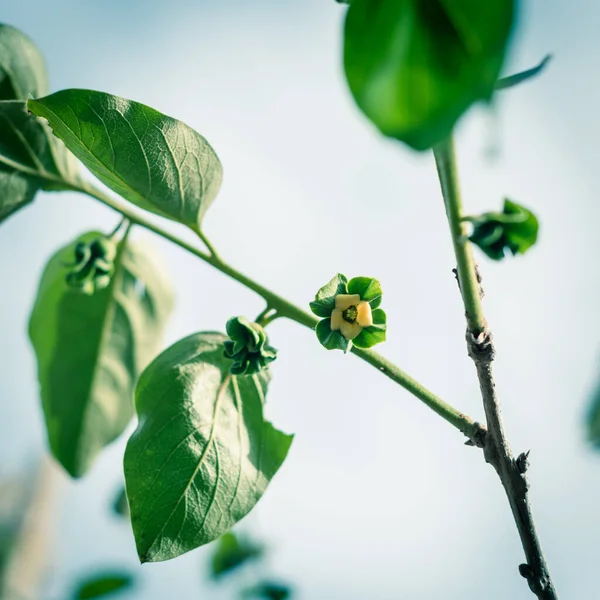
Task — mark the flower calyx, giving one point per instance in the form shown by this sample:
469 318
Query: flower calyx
515 229
93 266
247 347
350 313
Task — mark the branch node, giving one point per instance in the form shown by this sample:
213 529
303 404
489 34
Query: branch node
481 346
526 571
477 439
522 462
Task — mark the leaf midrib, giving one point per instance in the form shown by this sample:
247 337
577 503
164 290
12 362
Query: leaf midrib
141 198
220 393
106 327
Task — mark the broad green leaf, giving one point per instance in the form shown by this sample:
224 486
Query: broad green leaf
518 78
202 454
104 585
268 590
231 553
31 158
324 301
91 349
368 289
514 229
415 66
332 340
158 163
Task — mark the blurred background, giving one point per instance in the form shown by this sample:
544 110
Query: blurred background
379 499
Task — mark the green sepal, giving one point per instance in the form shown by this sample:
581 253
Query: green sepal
93 266
374 334
332 340
247 347
515 229
324 301
368 289
518 78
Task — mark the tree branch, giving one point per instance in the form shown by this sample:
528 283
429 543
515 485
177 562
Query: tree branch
284 308
480 345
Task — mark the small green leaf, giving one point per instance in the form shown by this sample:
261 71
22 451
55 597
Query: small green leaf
332 340
324 301
202 454
268 590
232 552
156 162
31 158
91 349
120 505
515 229
368 289
415 66
101 586
375 334
523 76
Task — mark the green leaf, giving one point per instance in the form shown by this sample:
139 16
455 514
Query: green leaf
232 552
415 66
368 289
375 334
31 158
202 454
515 229
154 161
268 590
120 505
22 67
523 76
104 585
91 349
332 340
324 301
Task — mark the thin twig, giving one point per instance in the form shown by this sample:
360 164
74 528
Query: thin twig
480 345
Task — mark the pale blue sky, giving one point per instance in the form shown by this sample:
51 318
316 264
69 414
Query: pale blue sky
379 499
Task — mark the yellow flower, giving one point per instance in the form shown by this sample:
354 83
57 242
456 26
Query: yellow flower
350 315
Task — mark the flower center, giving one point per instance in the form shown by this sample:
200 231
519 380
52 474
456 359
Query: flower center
350 314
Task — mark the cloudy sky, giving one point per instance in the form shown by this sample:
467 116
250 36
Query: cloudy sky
379 499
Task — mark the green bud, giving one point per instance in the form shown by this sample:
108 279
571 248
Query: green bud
93 266
515 229
247 347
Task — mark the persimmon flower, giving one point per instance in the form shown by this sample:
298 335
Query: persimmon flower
351 313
